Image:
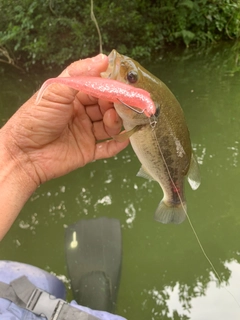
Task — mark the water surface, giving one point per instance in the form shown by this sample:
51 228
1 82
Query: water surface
164 273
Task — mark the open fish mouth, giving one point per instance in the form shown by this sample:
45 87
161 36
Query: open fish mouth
113 65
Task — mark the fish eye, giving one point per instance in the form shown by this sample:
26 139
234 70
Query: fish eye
132 76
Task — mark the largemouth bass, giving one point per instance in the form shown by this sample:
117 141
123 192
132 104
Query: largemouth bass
162 144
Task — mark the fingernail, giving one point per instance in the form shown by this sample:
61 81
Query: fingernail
99 57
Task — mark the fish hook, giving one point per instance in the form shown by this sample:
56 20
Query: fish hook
153 121
131 108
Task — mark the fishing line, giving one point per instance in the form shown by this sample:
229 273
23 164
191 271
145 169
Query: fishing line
153 122
96 24
189 220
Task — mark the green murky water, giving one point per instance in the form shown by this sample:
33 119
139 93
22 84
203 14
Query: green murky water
164 273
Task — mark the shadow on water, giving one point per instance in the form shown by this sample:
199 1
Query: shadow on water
164 273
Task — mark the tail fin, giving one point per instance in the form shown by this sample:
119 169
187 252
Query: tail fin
170 213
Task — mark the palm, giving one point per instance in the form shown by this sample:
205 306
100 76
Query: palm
64 139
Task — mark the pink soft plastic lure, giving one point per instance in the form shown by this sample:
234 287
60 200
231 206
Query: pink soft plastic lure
106 89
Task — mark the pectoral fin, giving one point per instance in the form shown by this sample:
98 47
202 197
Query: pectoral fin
123 136
193 175
144 174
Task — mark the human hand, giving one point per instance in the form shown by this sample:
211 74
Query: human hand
64 131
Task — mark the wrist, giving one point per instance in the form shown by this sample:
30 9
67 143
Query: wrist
15 162
16 182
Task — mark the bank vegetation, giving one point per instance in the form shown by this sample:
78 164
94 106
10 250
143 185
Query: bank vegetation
49 33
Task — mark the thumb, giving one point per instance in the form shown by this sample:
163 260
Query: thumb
87 67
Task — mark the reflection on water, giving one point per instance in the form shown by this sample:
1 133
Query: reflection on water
223 305
222 301
164 273
200 152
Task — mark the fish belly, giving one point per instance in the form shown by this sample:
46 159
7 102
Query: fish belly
172 208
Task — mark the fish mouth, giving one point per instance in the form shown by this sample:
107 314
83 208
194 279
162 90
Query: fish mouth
113 65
